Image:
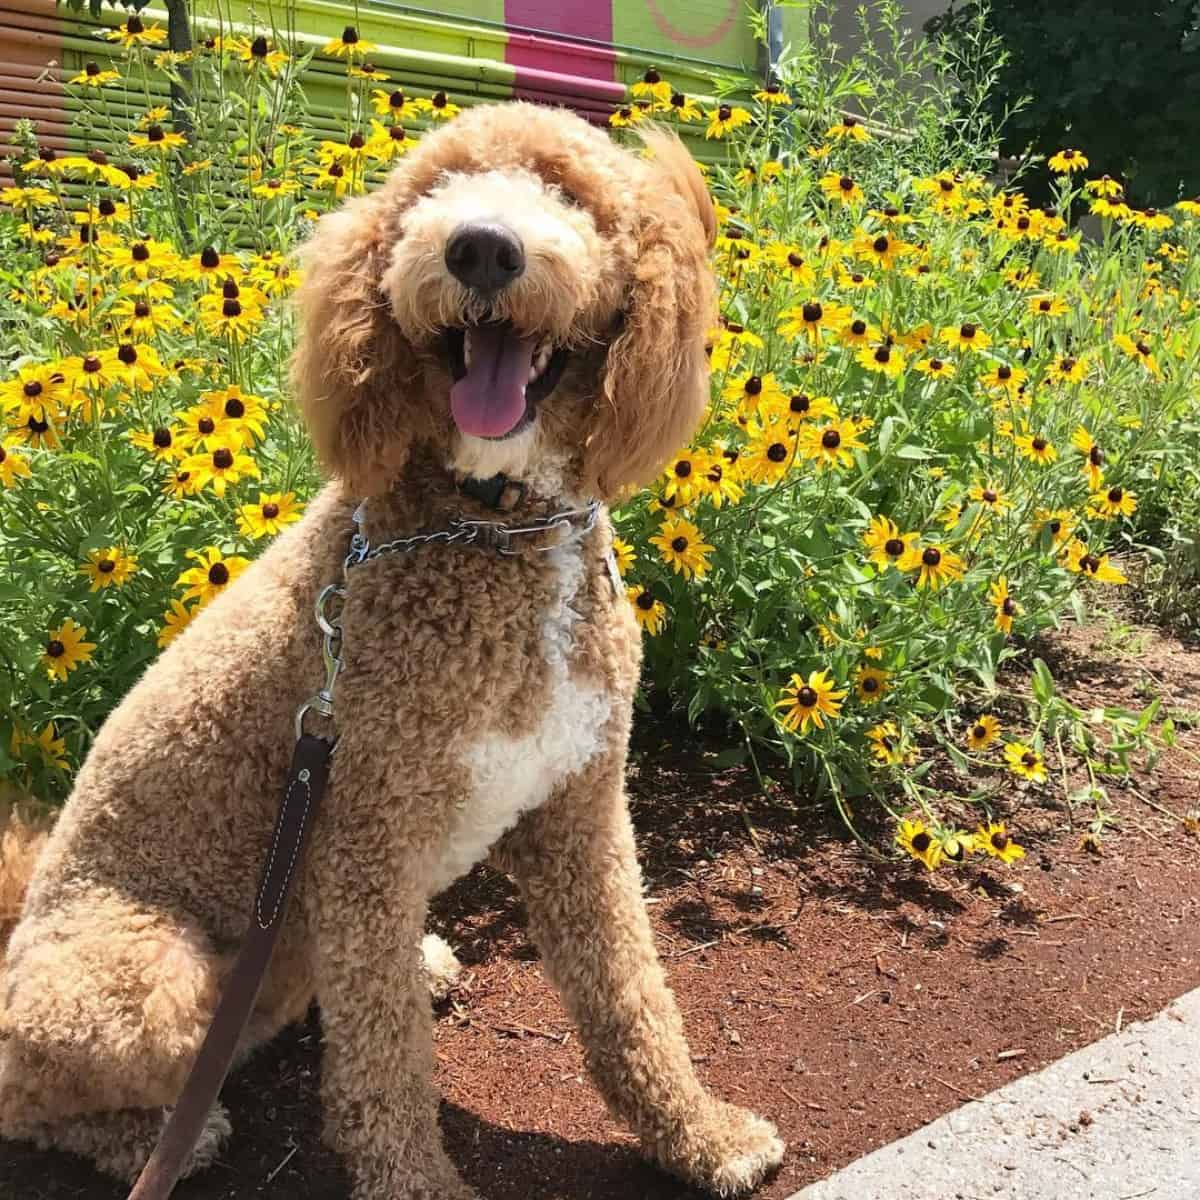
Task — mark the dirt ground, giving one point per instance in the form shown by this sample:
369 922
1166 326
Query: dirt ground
849 1001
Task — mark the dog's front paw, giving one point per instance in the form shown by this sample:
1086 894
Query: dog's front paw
724 1149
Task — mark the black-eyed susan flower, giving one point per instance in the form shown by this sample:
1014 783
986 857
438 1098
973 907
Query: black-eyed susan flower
94 76
813 318
233 316
136 366
13 465
936 566
684 108
871 684
1005 378
1067 161
51 750
886 743
1150 218
439 107
809 701
841 189
957 845
882 249
65 650
915 839
830 445
652 84
772 94
883 359
983 732
140 317
858 332
885 544
394 104
1093 457
1036 447
34 388
273 513
1115 502
349 46
211 575
175 620
751 391
159 442
990 497
651 613
236 415
1079 559
40 433
1047 306
623 554
719 483
1140 350
848 128
1059 523
993 838
965 336
109 567
792 264
156 137
1025 761
135 33
803 407
683 548
769 455
1004 604
221 464
724 119
1069 368
681 478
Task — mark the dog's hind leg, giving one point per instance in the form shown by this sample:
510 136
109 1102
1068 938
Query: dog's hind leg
103 1005
575 864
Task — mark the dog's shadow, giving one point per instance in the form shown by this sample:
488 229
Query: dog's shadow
276 1153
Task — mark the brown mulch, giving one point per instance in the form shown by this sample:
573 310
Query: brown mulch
849 1001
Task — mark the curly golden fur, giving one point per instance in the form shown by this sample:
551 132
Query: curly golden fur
484 707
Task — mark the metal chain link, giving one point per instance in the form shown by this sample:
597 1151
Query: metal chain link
460 532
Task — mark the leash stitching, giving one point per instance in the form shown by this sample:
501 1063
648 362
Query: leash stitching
282 891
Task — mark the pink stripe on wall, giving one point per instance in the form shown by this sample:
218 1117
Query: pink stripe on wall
542 60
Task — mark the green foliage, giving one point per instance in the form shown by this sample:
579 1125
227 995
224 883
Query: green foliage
1120 79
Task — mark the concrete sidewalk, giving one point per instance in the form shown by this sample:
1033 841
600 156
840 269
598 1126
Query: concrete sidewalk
1117 1120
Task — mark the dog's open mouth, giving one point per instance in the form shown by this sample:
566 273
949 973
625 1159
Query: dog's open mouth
500 377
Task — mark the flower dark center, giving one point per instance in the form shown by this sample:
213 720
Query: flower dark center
1022 223
55 648
155 133
206 425
880 245
777 452
218 574
32 388
678 99
980 732
231 308
849 122
141 309
222 459
800 403
92 364
1009 606
683 468
1096 456
831 439
921 842
652 76
92 70
1044 305
967 332
127 354
893 547
37 427
754 386
1055 527
846 183
234 408
1090 563
936 364
1115 495
858 327
724 112
440 100
931 556
1039 444
1004 373
645 601
134 25
270 511
806 697
259 47
209 259
162 438
947 185
795 260
139 252
3 454
679 544
106 566
870 684
812 312
230 290
1142 349
883 355
336 171
349 36
1068 365
989 496
396 133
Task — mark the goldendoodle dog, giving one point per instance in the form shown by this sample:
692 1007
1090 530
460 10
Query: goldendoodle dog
521 301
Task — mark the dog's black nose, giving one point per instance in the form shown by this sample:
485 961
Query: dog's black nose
485 255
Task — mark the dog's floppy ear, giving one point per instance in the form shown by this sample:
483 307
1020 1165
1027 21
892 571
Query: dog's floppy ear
655 385
353 369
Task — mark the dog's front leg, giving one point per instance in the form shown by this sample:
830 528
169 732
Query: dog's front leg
368 863
575 863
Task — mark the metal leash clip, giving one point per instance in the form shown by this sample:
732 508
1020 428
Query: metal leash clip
330 625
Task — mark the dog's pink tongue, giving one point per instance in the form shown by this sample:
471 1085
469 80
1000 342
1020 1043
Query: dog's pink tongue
489 400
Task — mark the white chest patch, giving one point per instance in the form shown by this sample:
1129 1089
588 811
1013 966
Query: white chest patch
511 775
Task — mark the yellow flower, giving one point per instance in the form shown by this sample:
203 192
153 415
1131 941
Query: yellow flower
809 701
220 465
685 108
1069 369
1005 378
110 567
349 46
1024 761
871 684
849 127
52 749
1059 522
1004 604
273 512
394 104
623 553
887 744
830 445
751 391
719 482
13 465
1079 559
967 336
886 544
175 620
651 614
236 416
768 456
65 650
135 366
936 566
993 838
935 368
882 359
983 732
724 119
134 33
93 76
1066 161
915 839
858 332
990 497
213 573
439 106
683 477
1139 350
1036 448
772 93
683 548
813 318
1047 306
841 189
155 137
1116 502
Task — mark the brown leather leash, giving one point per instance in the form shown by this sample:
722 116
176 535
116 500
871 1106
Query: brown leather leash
305 786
